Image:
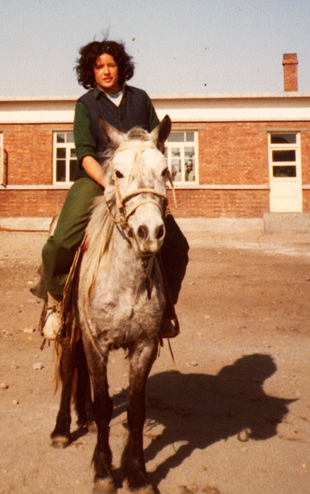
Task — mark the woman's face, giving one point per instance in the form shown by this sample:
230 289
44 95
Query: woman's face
106 74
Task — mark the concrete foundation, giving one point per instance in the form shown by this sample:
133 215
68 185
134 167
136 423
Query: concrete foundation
221 225
286 223
25 224
271 223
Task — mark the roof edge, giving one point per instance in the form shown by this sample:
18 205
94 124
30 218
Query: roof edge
181 96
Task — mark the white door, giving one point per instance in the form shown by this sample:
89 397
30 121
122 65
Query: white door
285 173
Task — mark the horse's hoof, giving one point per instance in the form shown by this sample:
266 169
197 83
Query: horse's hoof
147 489
92 427
60 442
104 486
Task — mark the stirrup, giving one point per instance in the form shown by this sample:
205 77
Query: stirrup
53 323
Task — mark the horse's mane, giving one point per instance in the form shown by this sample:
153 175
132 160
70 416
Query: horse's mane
98 237
137 133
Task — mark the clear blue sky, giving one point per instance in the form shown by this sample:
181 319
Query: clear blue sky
191 46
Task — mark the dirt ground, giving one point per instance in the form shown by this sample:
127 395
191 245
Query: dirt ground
232 418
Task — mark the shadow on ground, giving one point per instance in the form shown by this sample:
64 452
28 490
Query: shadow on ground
197 410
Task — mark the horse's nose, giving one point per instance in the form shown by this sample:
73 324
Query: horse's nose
147 228
145 234
160 232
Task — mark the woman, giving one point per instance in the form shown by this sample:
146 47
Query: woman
103 68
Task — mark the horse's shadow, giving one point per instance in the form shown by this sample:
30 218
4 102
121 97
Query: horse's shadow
198 410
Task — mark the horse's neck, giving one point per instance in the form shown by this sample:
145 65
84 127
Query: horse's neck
121 260
110 263
123 276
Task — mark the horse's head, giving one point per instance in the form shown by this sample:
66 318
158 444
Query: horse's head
136 177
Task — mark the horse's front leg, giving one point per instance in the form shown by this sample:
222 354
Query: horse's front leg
133 463
102 408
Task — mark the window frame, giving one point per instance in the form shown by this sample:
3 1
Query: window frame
183 144
284 147
67 145
2 163
285 177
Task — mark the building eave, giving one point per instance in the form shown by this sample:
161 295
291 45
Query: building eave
194 108
177 96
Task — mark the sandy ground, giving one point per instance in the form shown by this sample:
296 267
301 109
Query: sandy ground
233 418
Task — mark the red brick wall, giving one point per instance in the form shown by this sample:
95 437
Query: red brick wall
230 153
306 201
220 203
31 203
233 153
305 154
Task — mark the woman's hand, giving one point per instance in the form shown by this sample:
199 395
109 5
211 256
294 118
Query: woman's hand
94 170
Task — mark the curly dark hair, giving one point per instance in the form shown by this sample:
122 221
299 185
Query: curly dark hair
89 54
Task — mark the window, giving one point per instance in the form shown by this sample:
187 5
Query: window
283 148
286 155
2 162
283 138
64 157
181 150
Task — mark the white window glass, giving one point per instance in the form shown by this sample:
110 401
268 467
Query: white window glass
182 153
176 137
283 138
64 158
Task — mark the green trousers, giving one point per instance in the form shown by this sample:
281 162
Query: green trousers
60 248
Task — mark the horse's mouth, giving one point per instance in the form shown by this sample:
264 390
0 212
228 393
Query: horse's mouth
146 256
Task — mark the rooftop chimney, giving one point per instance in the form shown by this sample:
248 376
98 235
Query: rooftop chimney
290 63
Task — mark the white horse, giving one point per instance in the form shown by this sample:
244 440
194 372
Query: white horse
121 293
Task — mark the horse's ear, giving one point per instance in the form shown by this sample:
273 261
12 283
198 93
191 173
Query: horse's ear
161 132
113 136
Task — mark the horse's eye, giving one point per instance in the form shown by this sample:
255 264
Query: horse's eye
119 174
164 172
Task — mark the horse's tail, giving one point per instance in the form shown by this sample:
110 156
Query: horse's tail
71 370
65 355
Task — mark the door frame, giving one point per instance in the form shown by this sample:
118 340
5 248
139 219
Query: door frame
275 182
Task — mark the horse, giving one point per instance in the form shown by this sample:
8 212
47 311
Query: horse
116 300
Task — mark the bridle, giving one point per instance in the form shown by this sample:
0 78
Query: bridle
123 214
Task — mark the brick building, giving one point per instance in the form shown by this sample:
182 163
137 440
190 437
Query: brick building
232 155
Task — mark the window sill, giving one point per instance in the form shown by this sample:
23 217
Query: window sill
220 186
36 187
192 186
